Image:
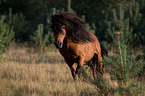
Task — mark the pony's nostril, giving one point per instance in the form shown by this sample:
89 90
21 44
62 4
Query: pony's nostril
58 44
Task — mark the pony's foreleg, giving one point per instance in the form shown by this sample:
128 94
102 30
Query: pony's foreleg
73 72
79 66
72 68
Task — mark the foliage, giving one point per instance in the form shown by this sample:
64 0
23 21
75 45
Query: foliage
35 11
124 68
94 8
49 32
6 31
129 14
1 48
6 35
39 40
20 26
125 65
25 15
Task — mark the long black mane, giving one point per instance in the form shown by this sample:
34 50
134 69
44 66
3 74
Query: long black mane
73 25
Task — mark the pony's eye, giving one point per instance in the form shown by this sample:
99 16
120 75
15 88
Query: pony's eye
63 27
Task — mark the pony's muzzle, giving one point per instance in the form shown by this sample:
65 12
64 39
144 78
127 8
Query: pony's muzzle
58 45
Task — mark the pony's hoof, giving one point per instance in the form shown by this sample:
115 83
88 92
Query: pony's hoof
75 78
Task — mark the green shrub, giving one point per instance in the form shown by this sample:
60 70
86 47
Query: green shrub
1 48
124 68
20 26
6 31
6 35
128 17
39 39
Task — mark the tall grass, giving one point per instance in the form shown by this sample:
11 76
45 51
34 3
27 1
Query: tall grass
30 78
25 72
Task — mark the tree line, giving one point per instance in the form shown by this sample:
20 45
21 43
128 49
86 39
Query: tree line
29 20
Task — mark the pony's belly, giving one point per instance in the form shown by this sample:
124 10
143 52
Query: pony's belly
89 57
90 50
74 51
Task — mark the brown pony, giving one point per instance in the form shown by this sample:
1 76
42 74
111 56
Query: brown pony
76 44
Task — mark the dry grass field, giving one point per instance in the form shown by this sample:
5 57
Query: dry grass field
25 72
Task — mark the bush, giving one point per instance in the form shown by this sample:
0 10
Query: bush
1 48
128 17
40 39
7 35
124 68
20 26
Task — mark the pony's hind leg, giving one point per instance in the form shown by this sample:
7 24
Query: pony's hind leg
99 63
92 64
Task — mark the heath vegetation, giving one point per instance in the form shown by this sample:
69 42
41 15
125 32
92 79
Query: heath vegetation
31 66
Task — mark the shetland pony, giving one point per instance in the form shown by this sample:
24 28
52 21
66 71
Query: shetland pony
76 44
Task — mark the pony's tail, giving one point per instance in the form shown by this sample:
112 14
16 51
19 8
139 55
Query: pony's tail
104 51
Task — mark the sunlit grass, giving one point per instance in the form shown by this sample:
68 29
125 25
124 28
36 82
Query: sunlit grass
22 78
23 55
26 72
42 79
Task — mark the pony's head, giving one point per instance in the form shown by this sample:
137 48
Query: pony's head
59 37
69 25
59 31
